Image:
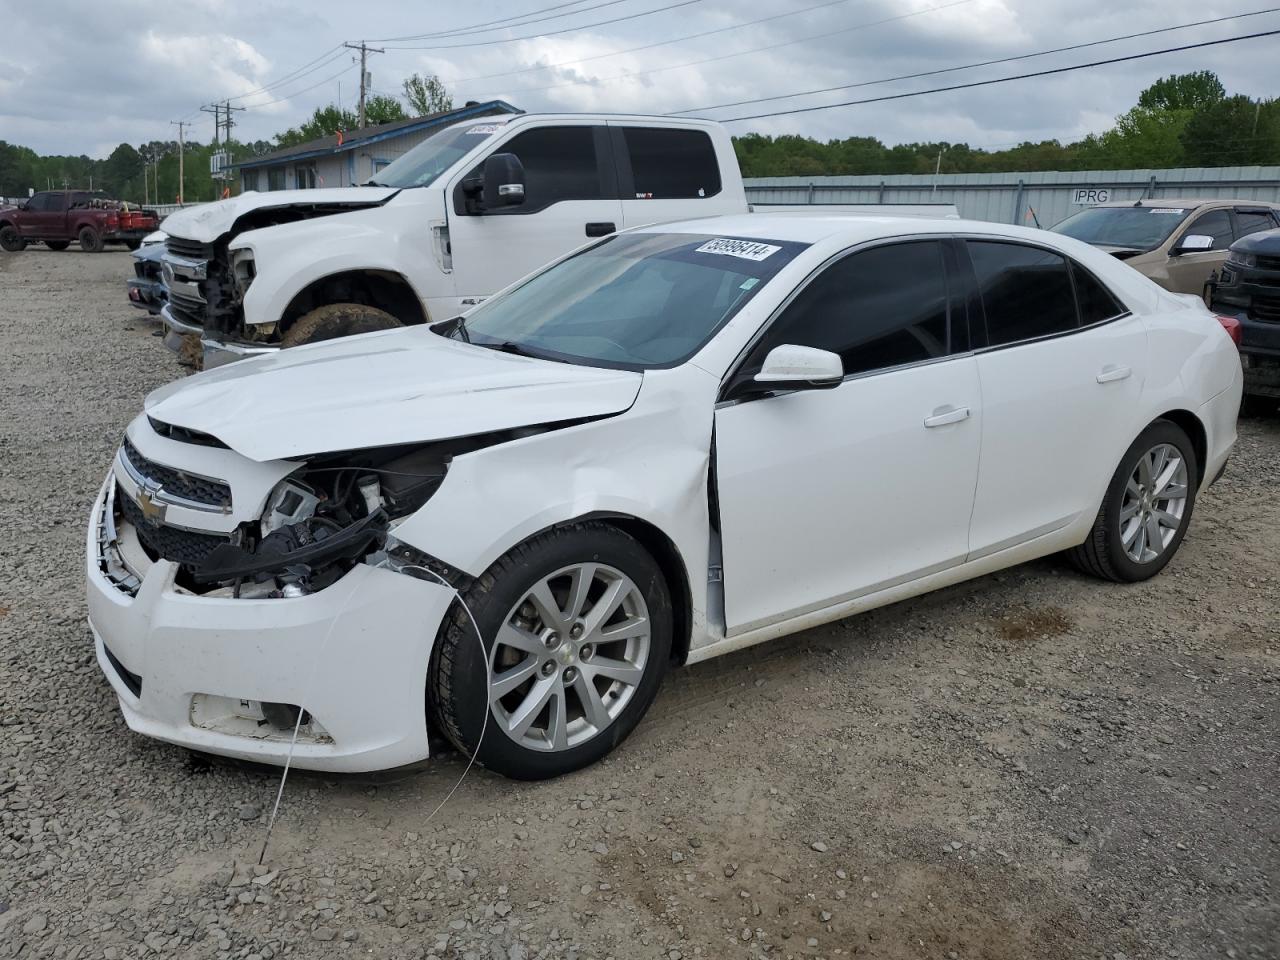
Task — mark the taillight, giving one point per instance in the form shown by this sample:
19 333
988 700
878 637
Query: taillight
1234 330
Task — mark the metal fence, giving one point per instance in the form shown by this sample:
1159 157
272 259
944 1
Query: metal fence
1025 198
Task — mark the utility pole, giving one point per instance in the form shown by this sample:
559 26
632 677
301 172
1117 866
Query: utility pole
365 50
180 124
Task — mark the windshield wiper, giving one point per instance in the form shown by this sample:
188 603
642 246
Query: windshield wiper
508 346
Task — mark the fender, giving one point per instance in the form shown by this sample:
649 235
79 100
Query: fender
290 257
652 465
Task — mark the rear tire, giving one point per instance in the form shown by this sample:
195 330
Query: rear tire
1146 509
91 240
58 245
132 244
11 240
583 681
337 320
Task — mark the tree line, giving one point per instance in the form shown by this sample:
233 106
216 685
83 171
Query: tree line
1184 120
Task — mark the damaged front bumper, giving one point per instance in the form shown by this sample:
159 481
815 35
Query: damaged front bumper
195 671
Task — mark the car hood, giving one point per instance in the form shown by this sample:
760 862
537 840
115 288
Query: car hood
1266 242
380 389
209 221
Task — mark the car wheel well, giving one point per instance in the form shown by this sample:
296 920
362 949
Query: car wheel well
664 551
375 288
1194 429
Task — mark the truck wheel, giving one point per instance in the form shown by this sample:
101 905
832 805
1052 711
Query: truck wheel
337 320
91 240
57 244
132 244
11 240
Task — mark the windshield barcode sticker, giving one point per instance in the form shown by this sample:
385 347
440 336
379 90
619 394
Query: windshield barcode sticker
1164 210
485 128
743 249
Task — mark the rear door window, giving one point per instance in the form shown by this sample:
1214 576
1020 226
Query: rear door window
1253 221
1095 301
671 164
1026 291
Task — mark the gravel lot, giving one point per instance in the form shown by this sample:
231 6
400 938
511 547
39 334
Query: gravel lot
1034 765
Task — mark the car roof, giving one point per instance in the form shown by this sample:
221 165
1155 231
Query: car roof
1188 202
847 228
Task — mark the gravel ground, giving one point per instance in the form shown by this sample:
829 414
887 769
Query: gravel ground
1033 765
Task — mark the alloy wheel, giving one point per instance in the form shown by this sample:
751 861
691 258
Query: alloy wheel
569 657
1155 501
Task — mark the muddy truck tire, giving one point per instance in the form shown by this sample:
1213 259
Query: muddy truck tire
91 240
10 240
337 320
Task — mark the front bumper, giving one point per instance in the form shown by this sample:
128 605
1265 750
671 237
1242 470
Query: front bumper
190 670
146 295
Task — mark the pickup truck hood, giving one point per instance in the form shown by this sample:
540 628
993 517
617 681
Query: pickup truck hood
379 389
207 222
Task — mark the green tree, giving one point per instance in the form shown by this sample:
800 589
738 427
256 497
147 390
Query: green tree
426 95
121 174
1233 131
327 121
1146 137
1183 91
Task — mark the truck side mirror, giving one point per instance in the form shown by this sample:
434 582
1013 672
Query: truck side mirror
1193 242
503 181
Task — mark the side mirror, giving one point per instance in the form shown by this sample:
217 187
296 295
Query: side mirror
503 181
793 367
1193 243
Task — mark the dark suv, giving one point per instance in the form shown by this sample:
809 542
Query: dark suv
1248 288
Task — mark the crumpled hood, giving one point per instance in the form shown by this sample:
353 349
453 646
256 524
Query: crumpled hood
379 389
209 221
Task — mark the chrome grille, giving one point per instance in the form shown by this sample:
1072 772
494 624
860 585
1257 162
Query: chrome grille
191 249
170 543
176 483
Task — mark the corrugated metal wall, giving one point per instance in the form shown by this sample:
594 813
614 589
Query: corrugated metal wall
1010 197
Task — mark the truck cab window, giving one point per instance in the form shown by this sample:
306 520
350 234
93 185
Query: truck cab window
560 163
669 164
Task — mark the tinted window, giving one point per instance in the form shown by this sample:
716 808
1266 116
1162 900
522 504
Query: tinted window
1248 222
672 164
1026 292
559 164
880 308
1216 224
1095 301
39 202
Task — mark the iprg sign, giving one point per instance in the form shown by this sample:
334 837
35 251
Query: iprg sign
1088 196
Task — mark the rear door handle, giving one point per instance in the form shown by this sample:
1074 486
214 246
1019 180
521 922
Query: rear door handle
944 415
1113 371
600 229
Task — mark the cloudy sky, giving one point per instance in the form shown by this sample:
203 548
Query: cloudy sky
80 77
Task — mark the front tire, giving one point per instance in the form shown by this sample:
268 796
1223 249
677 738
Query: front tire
576 626
337 320
132 245
1146 510
91 240
11 240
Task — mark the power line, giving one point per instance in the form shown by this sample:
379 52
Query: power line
555 33
365 50
345 70
650 46
330 55
503 23
984 63
740 53
1020 76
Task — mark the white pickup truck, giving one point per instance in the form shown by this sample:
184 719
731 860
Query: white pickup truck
462 215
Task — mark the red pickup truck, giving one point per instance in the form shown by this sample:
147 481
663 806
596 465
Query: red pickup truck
57 217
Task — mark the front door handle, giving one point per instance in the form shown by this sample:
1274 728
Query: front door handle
600 229
1113 371
944 415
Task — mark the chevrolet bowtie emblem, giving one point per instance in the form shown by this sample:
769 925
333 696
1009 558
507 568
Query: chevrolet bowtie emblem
152 508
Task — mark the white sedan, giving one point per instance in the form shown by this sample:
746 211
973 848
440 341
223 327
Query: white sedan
677 442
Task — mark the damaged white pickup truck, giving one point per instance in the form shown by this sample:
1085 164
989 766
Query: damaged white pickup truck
457 218
680 441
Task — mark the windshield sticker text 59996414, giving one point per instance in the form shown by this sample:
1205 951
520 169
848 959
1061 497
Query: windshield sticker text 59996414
743 249
485 128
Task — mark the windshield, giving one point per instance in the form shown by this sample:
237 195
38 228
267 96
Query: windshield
422 165
636 301
1139 228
